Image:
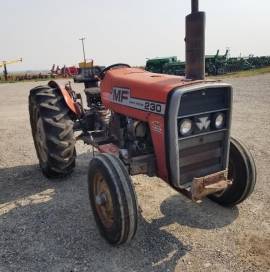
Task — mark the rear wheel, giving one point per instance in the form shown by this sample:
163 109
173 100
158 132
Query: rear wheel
242 172
52 130
112 198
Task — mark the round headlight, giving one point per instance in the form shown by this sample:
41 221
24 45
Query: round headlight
185 127
219 120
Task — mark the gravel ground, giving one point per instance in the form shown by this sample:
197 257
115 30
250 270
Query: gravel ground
48 225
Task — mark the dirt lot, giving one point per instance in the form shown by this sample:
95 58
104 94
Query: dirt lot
48 225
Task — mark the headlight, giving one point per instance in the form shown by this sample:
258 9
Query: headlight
185 127
219 120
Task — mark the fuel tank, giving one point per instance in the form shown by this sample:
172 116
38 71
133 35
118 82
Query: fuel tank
137 93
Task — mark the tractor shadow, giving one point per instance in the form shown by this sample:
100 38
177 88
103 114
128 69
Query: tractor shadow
205 215
161 250
48 226
21 182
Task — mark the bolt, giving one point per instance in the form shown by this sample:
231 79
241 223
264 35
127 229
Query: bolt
101 199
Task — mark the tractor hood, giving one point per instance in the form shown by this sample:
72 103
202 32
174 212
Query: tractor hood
142 84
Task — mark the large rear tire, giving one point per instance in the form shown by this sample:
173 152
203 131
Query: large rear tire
52 131
242 172
112 198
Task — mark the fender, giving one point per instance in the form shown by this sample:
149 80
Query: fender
72 105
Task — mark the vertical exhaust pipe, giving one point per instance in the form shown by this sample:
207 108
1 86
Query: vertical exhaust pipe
195 43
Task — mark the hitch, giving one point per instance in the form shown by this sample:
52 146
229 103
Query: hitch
204 186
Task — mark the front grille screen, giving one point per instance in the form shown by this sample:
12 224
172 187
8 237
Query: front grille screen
201 156
204 101
204 151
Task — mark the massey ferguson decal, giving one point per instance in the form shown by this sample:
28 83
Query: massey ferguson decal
203 123
122 96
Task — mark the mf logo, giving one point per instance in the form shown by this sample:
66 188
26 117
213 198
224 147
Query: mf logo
120 95
203 123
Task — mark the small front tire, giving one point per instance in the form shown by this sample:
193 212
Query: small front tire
112 198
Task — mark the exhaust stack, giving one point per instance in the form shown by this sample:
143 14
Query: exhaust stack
195 43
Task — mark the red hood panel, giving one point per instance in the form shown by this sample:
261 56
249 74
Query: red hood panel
142 84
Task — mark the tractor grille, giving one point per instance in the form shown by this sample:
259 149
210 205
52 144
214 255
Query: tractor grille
205 150
204 101
202 155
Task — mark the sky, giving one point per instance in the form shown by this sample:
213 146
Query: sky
48 31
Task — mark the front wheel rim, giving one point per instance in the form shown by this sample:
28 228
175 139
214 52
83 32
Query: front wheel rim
103 200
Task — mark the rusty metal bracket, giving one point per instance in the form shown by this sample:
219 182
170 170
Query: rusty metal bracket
201 187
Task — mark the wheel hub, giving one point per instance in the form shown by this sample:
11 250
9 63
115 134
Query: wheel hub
103 200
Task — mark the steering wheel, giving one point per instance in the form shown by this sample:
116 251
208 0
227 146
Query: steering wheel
103 72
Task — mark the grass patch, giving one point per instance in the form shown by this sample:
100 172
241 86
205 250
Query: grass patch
248 73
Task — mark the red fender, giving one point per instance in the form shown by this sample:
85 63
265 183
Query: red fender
72 105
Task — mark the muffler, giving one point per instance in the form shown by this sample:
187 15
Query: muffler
195 43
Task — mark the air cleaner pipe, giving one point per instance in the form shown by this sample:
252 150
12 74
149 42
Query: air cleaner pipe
195 43
194 6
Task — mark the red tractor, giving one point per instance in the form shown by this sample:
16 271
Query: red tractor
175 128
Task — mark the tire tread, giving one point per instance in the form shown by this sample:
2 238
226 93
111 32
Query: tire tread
58 126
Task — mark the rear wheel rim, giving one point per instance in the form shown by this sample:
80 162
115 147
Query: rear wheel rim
103 200
41 140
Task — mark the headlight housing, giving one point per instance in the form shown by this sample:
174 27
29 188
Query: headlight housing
219 120
185 127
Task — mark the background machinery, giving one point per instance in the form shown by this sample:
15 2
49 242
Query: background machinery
65 71
176 128
169 66
214 64
5 63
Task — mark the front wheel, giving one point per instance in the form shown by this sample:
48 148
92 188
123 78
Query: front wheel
242 172
112 198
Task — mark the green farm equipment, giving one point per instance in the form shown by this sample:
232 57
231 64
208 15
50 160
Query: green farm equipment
259 62
216 64
175 68
238 64
156 65
170 66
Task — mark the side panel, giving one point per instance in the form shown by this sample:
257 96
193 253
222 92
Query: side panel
157 128
121 100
